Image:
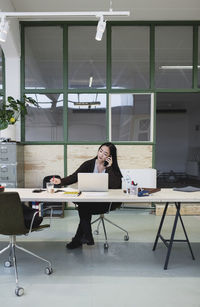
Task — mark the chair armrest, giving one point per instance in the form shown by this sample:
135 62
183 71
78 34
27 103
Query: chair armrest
34 215
109 208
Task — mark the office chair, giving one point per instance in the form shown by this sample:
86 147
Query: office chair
101 220
12 224
55 205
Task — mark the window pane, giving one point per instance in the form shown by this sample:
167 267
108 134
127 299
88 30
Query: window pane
87 58
87 117
46 122
130 57
199 59
43 57
1 68
131 117
173 57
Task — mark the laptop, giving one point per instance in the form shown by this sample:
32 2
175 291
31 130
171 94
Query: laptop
93 182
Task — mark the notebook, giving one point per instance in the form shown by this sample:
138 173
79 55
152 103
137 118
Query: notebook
93 182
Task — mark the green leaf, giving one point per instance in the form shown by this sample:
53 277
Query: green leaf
3 125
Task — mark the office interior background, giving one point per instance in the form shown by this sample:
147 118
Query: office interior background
139 87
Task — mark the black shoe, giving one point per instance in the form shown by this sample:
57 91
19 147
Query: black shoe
74 244
91 242
88 241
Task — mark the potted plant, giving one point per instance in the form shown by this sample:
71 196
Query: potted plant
11 110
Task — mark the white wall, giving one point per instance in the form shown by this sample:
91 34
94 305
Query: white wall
12 52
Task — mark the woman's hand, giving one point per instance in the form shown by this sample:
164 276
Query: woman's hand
55 180
109 160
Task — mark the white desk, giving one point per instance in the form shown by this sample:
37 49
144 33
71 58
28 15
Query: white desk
164 196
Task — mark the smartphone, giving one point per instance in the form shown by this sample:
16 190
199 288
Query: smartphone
105 163
38 191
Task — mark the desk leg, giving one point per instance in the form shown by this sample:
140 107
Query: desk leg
187 240
178 205
160 226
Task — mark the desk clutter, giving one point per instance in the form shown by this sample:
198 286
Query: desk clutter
144 191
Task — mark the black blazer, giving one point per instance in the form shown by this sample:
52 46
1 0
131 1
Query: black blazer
114 177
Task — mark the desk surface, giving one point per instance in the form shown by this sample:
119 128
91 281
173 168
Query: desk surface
165 195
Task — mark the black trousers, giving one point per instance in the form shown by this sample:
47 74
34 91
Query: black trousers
28 215
86 210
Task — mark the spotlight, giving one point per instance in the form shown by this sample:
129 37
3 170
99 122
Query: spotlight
100 28
4 26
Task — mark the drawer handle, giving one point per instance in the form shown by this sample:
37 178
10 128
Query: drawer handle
4 178
4 159
4 169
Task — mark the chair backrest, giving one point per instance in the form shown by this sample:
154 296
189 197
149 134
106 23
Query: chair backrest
11 214
47 179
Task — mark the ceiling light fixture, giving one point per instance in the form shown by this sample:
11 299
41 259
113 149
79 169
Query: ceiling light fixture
177 67
101 26
90 81
38 15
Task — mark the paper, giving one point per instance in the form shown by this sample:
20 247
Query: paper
72 193
95 193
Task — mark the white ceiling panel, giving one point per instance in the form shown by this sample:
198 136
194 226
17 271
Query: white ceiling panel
140 9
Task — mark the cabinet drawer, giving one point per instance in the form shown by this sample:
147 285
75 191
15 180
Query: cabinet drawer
11 153
7 153
7 172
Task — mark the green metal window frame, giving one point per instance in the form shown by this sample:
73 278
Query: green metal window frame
65 91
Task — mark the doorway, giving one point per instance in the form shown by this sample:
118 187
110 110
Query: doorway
178 139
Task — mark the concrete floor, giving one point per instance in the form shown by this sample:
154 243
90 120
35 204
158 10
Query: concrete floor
128 274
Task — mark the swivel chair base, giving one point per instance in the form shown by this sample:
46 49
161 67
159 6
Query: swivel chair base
19 291
100 220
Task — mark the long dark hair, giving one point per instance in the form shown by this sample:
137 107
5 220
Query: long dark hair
113 153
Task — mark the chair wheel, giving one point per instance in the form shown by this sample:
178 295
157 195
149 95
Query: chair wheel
19 291
96 232
126 238
48 271
7 264
106 245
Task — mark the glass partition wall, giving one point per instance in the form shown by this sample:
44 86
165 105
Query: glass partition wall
173 57
93 91
43 62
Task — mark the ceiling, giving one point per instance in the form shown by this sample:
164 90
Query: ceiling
139 9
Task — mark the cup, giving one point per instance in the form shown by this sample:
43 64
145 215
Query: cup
134 189
50 187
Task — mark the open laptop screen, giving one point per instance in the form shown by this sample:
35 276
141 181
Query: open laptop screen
93 182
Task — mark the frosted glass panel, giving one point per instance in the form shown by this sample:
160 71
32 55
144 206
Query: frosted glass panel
86 58
43 57
46 122
131 117
87 117
173 56
130 57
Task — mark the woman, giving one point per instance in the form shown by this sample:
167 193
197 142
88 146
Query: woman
105 161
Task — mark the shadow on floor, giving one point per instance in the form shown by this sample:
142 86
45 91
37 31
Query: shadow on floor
121 259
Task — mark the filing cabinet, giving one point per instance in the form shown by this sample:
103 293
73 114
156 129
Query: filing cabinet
12 165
